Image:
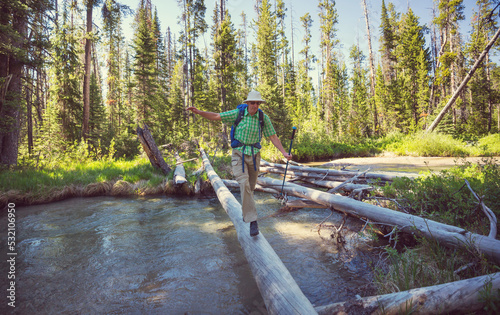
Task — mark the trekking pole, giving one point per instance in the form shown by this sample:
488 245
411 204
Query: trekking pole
289 152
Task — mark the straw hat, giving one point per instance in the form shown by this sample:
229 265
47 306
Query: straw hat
254 96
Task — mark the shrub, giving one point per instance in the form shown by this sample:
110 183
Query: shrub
444 197
490 144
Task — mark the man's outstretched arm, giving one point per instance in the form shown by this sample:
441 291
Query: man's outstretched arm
207 115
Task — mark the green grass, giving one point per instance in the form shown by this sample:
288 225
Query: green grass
490 144
32 180
436 144
442 197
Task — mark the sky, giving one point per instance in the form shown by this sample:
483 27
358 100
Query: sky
351 22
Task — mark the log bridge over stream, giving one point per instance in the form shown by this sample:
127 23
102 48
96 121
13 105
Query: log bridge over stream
279 290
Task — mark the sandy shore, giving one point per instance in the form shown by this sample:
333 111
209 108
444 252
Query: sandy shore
403 163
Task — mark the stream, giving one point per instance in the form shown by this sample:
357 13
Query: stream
167 255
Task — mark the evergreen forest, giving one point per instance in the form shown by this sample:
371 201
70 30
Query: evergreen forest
57 92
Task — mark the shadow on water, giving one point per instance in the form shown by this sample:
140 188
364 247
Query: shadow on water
169 256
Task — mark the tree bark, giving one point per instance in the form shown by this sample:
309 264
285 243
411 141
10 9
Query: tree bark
449 236
234 185
334 184
464 83
372 67
149 146
462 296
86 75
179 173
11 68
281 293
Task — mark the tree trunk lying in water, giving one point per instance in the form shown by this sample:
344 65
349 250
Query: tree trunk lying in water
448 235
281 293
149 146
334 184
235 185
462 296
327 173
179 173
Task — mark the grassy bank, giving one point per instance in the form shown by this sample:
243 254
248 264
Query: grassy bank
443 197
29 185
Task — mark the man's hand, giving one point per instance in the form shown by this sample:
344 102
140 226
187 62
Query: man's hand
287 156
193 109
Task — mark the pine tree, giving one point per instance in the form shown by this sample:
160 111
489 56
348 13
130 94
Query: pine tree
305 87
228 64
194 25
330 64
388 39
448 72
413 68
97 115
359 122
65 92
145 71
112 14
477 110
17 17
266 49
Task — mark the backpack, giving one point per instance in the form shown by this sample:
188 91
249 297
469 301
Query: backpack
235 143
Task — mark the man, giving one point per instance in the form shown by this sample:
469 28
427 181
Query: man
245 160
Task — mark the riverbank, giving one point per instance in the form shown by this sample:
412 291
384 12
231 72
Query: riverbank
411 164
114 188
107 177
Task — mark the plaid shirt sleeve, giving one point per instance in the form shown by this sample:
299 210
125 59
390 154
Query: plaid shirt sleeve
268 127
229 117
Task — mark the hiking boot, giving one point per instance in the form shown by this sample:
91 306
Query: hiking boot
254 228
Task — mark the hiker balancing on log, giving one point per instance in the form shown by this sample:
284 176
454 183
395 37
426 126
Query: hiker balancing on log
248 123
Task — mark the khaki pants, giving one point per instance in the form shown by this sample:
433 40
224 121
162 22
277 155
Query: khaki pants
247 181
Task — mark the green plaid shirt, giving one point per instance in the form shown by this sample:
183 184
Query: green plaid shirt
247 131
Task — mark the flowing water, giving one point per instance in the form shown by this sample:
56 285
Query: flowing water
164 255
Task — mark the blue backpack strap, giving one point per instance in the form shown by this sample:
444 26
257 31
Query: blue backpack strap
236 143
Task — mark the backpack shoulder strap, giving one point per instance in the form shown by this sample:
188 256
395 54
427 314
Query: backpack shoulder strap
241 113
261 118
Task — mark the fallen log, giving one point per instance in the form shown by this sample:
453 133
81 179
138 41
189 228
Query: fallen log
462 296
149 146
298 203
331 172
304 203
180 172
449 236
234 185
281 293
334 184
298 174
487 211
